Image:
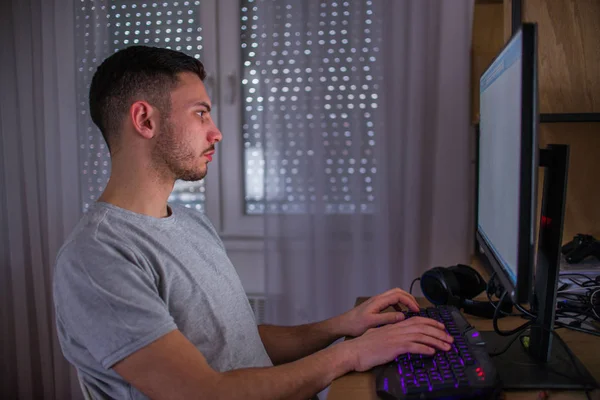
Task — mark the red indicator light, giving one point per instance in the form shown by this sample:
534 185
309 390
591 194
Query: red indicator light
546 221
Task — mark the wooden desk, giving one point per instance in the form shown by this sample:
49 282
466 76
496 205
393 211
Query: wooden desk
361 385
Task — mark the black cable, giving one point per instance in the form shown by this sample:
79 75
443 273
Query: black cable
573 297
508 345
590 284
579 304
569 312
487 292
582 284
495 320
489 282
578 329
412 283
517 332
583 300
575 315
575 274
524 311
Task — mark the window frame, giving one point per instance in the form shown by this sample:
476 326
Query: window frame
210 60
234 221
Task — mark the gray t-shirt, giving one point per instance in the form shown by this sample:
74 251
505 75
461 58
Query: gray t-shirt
123 280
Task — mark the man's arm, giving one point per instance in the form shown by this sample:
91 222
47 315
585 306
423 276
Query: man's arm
289 343
172 368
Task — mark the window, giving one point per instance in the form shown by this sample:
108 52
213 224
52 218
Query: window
314 55
264 81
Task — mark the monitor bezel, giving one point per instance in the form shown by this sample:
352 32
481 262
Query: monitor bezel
520 292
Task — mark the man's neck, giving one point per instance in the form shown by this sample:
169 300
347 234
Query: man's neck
135 190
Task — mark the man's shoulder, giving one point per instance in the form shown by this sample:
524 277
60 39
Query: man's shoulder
85 229
95 231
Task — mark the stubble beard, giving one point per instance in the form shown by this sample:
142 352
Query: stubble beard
177 159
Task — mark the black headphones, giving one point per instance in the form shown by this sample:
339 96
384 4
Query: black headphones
456 286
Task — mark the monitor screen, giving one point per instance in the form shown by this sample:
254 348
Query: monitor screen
508 162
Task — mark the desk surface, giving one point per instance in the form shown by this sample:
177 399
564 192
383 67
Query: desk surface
361 385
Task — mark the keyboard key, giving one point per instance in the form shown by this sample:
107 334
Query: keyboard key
445 385
435 380
461 377
418 389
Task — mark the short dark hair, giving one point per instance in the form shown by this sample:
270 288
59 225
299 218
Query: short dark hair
132 72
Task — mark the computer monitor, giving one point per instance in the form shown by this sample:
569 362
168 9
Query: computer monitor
508 163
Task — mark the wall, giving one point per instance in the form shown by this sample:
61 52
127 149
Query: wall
569 82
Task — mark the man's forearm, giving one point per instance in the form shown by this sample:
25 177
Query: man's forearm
289 343
297 380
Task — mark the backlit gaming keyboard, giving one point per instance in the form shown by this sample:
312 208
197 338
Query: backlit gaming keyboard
465 371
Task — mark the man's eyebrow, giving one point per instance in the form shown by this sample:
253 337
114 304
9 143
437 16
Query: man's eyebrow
202 103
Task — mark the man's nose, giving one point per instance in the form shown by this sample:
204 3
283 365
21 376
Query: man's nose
216 135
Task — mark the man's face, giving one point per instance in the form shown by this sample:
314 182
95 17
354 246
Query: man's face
187 137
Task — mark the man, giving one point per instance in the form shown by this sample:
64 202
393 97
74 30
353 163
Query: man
147 302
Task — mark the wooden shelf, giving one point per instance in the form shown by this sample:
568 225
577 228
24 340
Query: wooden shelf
582 213
569 96
569 88
568 53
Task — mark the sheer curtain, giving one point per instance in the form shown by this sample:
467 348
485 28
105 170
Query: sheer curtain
397 205
383 192
39 201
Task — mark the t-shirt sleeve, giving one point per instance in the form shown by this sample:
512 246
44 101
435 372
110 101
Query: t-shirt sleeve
107 301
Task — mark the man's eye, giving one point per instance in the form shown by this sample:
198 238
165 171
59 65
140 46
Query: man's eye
201 113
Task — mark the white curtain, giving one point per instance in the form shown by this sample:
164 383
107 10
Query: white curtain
318 261
39 201
342 243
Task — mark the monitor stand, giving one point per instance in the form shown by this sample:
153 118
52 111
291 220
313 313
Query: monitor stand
545 362
518 370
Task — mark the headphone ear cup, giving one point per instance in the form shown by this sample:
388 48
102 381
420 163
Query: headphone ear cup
440 286
470 282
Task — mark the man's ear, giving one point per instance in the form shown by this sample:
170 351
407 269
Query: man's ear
144 119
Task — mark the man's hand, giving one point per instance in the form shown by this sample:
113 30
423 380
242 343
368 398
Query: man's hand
381 345
368 314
